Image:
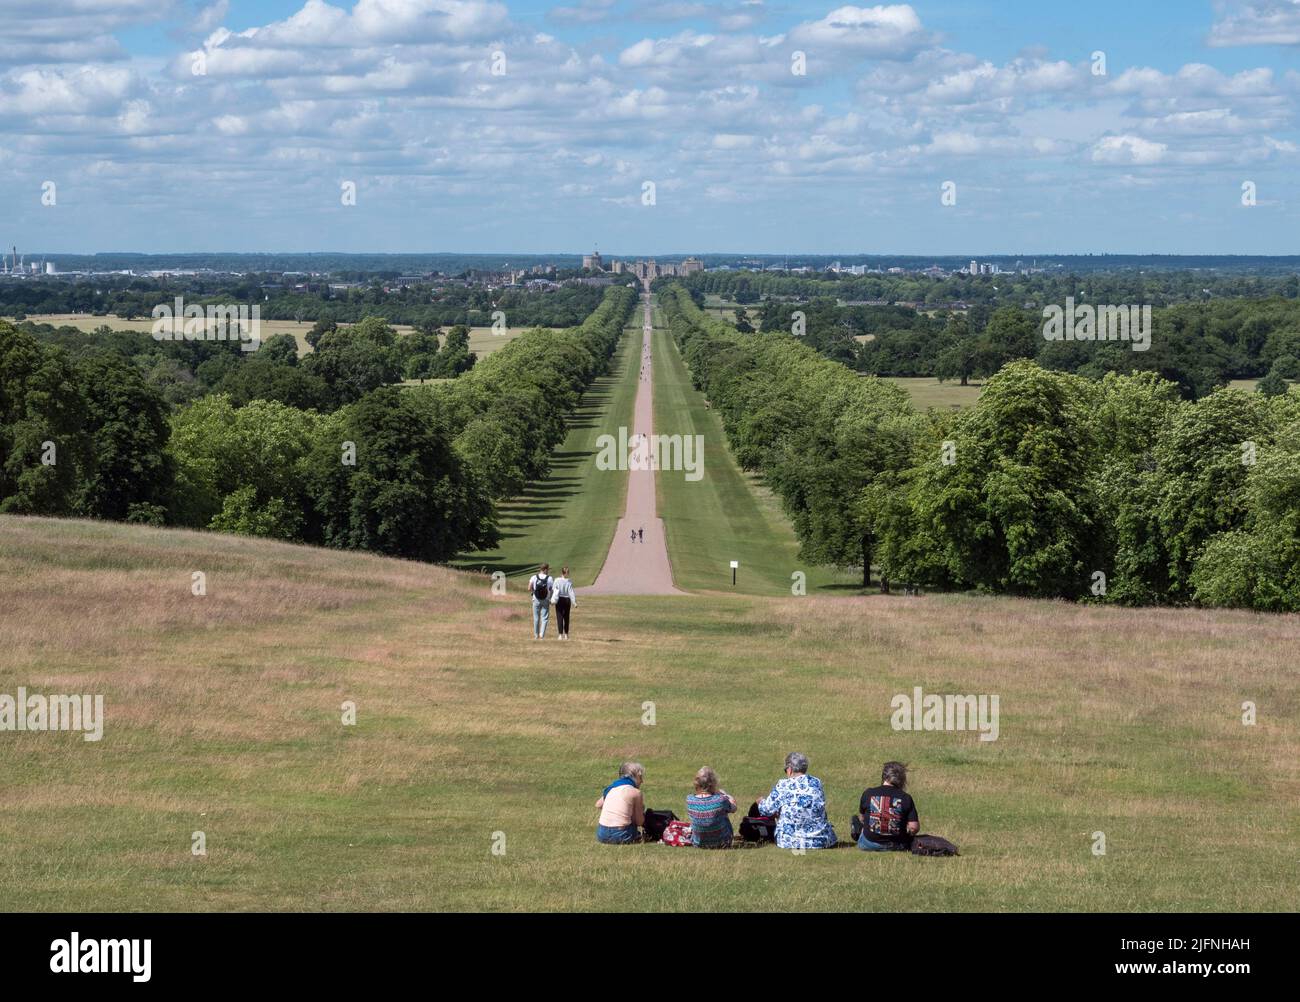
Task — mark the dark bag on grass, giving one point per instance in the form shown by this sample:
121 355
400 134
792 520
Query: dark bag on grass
655 823
855 827
755 827
933 845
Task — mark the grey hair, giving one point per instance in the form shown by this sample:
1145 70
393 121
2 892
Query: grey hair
634 770
796 762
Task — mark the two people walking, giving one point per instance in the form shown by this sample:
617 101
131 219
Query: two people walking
547 591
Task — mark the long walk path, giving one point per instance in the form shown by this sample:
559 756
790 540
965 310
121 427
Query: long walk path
639 566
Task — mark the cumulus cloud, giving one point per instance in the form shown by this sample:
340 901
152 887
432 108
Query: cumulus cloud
404 92
82 91
209 17
321 25
883 32
1128 150
1257 22
36 32
1018 79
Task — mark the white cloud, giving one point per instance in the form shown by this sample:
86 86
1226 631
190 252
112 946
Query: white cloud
1257 22
402 91
36 32
86 90
210 17
1128 150
884 32
1020 79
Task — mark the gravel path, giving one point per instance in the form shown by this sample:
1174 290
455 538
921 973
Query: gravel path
639 567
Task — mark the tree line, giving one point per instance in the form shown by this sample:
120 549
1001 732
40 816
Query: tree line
346 362
1109 488
1158 287
423 304
1199 346
410 471
1208 330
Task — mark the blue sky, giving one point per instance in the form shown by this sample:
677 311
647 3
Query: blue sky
477 125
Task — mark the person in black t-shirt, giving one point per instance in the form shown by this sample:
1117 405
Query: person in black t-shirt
887 812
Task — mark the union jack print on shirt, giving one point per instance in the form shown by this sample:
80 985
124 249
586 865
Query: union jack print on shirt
883 819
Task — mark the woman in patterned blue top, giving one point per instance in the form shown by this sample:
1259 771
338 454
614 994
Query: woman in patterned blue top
801 804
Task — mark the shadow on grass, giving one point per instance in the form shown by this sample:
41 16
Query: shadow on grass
490 564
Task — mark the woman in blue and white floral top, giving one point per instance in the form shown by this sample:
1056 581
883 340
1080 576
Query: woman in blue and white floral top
801 804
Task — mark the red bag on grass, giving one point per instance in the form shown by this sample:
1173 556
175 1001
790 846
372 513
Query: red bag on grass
677 833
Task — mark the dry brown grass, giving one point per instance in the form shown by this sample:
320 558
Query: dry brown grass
223 715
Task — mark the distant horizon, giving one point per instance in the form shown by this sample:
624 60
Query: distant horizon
619 255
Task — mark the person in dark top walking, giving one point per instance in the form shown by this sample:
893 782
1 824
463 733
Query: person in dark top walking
640 535
564 599
887 812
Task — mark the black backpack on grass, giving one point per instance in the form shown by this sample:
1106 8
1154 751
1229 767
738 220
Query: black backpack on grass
755 827
655 823
933 845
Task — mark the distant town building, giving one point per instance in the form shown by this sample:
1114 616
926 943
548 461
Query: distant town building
647 269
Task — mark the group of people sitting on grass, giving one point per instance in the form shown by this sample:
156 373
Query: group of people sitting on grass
886 818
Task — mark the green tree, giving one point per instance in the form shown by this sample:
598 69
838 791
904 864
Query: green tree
1202 460
1272 385
455 356
266 379
1008 505
281 349
964 354
1258 566
355 360
408 494
1287 366
257 451
127 421
326 325
45 448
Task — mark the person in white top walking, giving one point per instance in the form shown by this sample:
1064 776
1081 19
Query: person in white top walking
541 587
564 599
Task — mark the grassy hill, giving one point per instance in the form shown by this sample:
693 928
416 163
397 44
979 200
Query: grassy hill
223 716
